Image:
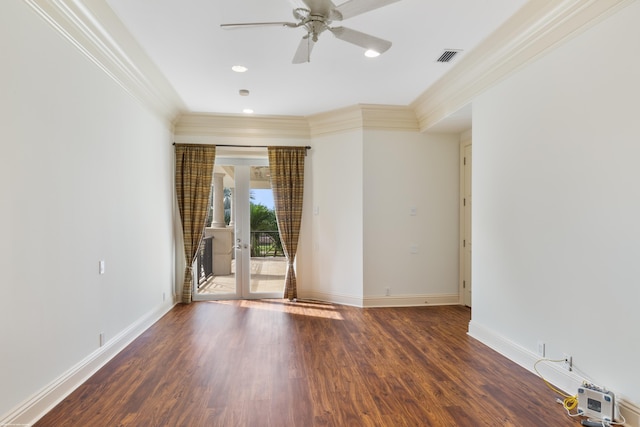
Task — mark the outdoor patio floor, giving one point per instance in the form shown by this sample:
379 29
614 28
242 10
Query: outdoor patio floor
267 275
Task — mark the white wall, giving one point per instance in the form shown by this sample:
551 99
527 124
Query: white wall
404 170
557 202
85 174
364 184
336 248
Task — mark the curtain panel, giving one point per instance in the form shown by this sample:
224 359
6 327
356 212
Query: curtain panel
286 166
194 171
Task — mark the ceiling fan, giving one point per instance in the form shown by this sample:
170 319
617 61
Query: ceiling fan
317 17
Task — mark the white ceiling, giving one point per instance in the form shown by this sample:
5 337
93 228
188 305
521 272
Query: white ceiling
185 41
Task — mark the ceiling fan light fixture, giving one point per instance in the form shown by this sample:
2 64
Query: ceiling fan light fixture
370 53
239 68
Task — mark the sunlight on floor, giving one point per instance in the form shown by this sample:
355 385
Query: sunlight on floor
303 308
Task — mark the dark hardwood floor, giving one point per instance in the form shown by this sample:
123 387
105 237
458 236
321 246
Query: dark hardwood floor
275 363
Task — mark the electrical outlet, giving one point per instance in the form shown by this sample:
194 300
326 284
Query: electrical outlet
568 362
101 338
541 348
387 291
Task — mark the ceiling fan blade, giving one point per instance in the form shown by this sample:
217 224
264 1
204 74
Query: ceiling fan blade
303 53
259 24
353 8
361 39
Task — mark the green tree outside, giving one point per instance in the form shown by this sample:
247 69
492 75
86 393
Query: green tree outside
264 219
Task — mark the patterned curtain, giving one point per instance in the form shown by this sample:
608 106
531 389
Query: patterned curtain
286 165
194 169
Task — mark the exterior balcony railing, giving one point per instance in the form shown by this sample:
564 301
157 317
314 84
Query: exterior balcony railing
263 244
204 260
266 243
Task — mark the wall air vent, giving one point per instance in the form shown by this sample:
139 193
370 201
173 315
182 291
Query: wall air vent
448 55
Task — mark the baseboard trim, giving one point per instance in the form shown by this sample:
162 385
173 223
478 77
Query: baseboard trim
332 298
564 380
34 408
383 301
411 300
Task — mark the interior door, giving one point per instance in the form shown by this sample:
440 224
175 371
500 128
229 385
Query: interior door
244 251
467 226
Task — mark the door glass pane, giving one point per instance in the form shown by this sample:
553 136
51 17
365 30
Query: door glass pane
215 265
268 264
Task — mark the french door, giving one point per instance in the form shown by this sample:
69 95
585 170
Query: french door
241 256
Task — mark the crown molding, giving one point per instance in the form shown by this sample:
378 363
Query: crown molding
95 30
336 121
364 117
389 117
536 28
198 125
205 126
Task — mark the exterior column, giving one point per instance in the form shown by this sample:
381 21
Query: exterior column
218 201
232 208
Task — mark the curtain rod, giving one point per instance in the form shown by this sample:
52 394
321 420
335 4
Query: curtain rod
308 147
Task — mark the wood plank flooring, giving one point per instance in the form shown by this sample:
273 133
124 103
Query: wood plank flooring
276 363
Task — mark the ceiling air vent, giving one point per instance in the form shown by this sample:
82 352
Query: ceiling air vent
448 55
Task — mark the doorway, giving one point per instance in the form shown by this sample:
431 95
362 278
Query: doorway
241 256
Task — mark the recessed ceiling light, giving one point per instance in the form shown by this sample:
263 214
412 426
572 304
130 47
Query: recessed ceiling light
371 53
239 68
247 111
243 92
